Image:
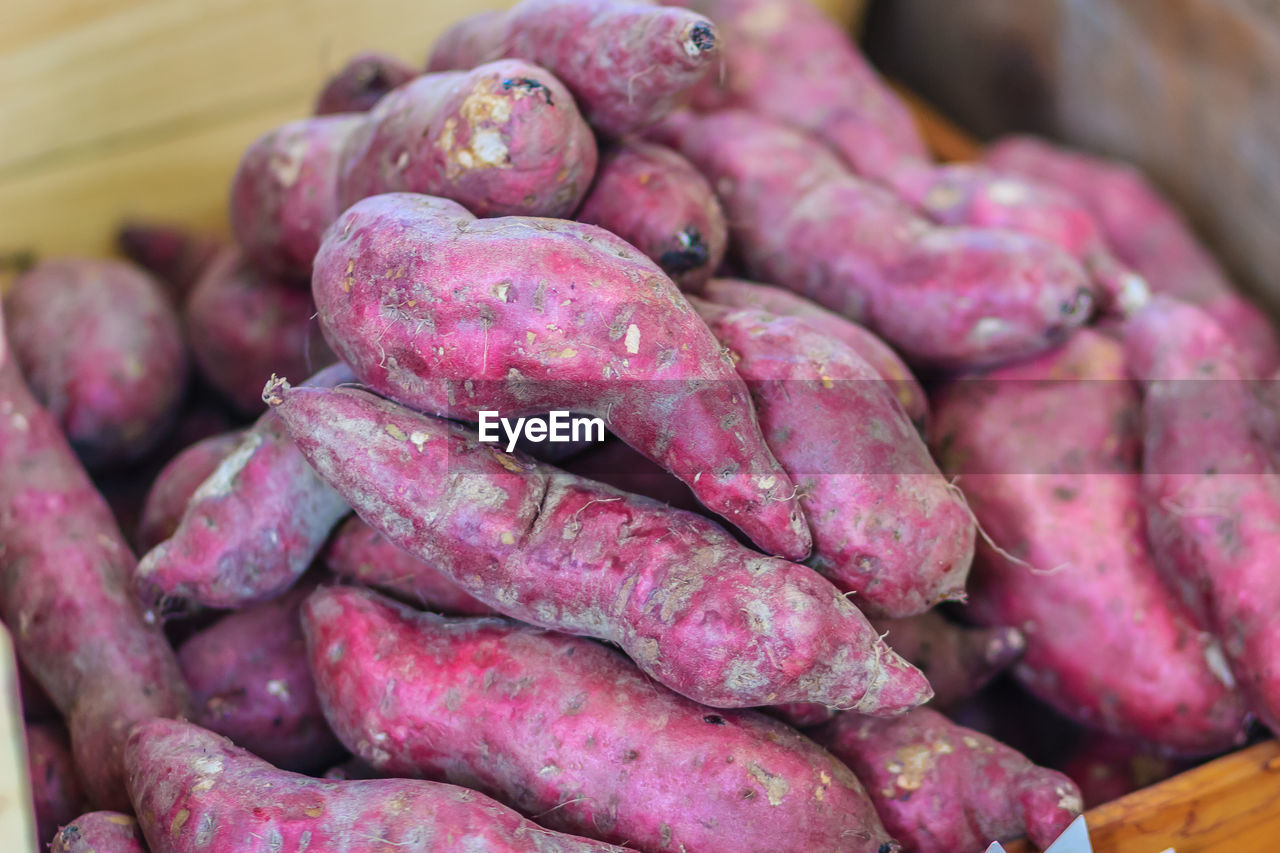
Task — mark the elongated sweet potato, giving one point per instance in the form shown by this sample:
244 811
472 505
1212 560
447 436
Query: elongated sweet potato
940 787
569 730
176 256
658 202
1210 490
502 139
362 82
1044 452
702 614
101 349
64 593
250 681
196 791
627 64
787 60
99 832
1148 233
943 297
454 315
737 293
886 524
285 193
177 482
55 790
251 528
361 553
243 325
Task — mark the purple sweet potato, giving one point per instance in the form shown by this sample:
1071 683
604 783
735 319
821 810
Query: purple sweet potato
100 346
360 553
700 613
1210 490
99 832
787 60
362 82
569 730
453 315
1148 233
942 788
1047 455
957 659
628 64
250 681
502 139
173 254
55 790
1106 768
198 793
737 293
285 193
886 524
177 482
64 593
250 529
658 202
942 297
243 326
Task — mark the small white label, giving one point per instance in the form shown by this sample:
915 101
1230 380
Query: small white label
556 427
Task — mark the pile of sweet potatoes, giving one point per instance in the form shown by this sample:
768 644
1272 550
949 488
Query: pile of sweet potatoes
542 465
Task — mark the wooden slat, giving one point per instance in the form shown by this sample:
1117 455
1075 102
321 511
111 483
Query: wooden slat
17 818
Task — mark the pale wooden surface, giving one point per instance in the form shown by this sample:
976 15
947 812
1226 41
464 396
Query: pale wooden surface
17 819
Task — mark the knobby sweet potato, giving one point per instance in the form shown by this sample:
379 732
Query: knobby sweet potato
359 552
99 832
569 730
886 524
454 315
940 787
198 793
242 325
55 790
658 202
1148 233
64 593
942 297
702 614
362 82
250 529
627 64
737 293
1047 455
100 346
177 482
1210 490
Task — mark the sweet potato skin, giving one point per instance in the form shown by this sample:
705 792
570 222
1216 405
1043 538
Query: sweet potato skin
64 573
940 787
360 553
1147 232
886 525
1106 768
611 738
658 202
55 790
454 315
250 681
243 326
628 64
502 139
250 529
942 297
709 618
177 481
738 293
1210 490
285 193
362 82
100 346
1043 451
193 789
99 832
